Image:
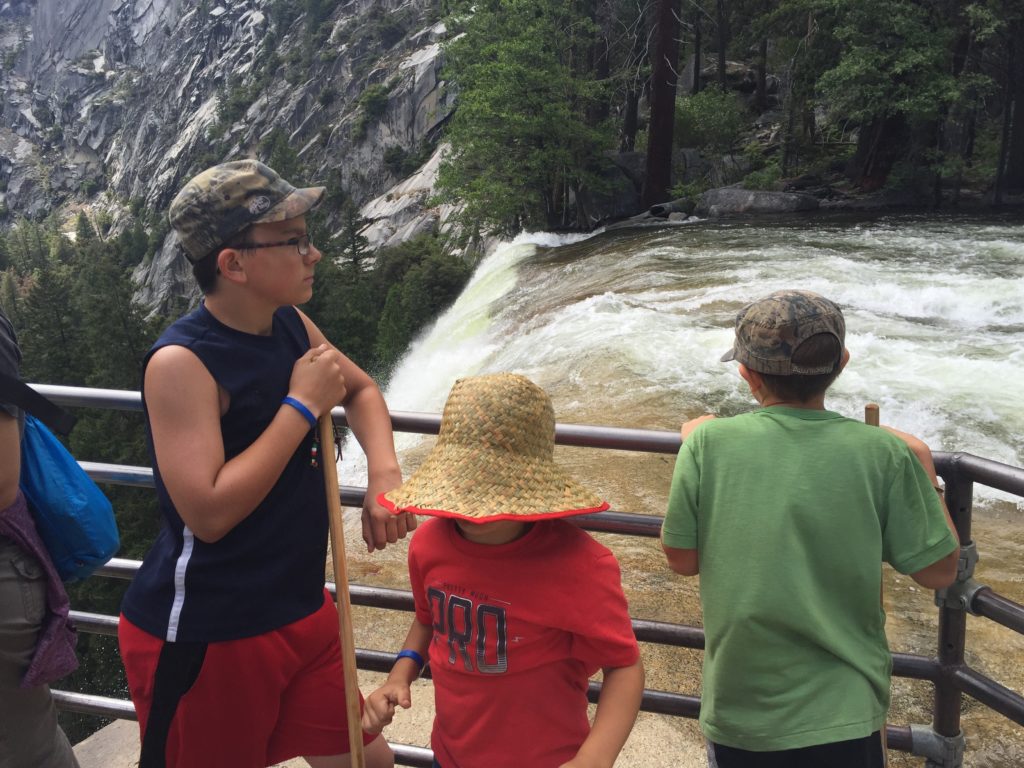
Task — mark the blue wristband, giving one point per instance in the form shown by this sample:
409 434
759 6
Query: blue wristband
306 413
410 654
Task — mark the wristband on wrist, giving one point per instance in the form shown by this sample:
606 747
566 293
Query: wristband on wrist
408 653
298 406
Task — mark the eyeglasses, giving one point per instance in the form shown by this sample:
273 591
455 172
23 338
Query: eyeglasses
301 243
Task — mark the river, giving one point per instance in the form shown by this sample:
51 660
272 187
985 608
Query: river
625 328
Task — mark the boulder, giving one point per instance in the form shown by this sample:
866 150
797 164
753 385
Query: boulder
688 165
683 205
733 201
617 197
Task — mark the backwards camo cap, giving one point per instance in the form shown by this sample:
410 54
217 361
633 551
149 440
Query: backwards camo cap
223 200
769 330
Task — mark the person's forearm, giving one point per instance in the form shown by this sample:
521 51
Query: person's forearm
405 670
617 708
368 416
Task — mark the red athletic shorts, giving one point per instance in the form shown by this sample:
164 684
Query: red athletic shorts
241 703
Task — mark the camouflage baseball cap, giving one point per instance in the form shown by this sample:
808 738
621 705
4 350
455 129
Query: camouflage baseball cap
223 200
769 330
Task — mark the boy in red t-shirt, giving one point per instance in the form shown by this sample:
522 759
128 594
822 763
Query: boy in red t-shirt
517 609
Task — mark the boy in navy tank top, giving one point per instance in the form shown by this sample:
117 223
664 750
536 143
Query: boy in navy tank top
227 635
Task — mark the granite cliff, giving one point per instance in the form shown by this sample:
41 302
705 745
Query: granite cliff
110 105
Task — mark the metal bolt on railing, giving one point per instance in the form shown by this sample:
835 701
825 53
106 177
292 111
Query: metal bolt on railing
959 595
939 751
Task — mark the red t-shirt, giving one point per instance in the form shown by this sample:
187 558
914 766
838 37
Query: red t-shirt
519 629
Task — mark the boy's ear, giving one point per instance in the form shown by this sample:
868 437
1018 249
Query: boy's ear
753 378
844 359
229 264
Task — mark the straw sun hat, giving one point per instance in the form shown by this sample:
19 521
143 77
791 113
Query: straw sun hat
493 459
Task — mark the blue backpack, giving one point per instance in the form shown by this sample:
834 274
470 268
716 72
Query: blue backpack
74 518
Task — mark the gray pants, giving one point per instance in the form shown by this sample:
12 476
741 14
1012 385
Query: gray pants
29 734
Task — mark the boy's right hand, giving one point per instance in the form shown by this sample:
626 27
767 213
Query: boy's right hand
379 706
691 425
317 380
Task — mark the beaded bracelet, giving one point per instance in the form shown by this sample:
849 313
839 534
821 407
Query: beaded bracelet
298 406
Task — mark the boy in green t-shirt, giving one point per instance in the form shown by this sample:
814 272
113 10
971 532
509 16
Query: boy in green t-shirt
786 513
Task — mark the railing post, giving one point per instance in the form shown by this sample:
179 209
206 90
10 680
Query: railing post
944 747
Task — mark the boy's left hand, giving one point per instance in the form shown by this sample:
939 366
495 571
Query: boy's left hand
380 526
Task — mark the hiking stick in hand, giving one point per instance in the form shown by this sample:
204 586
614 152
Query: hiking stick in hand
348 648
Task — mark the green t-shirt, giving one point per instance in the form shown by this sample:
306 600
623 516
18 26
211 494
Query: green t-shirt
792 512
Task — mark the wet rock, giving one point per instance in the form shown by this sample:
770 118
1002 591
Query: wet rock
683 205
733 201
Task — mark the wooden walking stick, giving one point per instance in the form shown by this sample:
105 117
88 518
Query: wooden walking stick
871 416
348 647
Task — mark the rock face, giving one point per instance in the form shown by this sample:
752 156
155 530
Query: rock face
403 212
115 103
733 201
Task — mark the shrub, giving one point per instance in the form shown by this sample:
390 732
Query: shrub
763 178
374 100
712 119
394 159
690 190
327 96
374 103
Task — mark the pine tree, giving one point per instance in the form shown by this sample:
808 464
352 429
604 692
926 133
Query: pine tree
521 147
85 233
50 332
280 156
353 244
27 247
9 296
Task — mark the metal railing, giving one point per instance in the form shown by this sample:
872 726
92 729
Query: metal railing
941 743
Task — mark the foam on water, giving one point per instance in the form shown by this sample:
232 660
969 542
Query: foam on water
935 317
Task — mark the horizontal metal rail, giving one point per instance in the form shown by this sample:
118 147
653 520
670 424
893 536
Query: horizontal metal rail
977 469
990 693
899 737
588 436
999 609
352 496
122 709
664 633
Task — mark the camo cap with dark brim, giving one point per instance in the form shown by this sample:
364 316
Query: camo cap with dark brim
223 200
769 330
